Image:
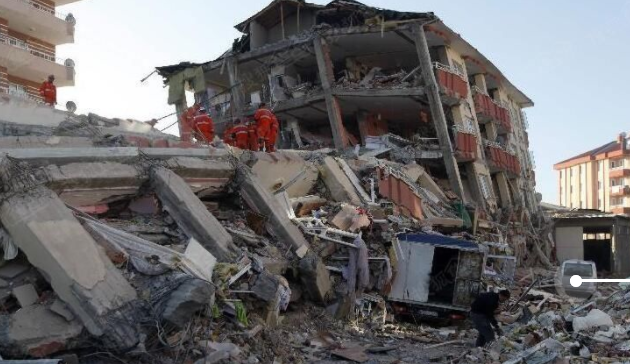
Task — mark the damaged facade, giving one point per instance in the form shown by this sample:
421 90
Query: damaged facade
346 74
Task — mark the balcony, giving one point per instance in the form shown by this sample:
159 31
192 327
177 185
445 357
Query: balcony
33 19
21 95
452 82
25 62
500 160
489 110
619 172
466 149
617 191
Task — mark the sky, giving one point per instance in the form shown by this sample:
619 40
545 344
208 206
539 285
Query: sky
569 56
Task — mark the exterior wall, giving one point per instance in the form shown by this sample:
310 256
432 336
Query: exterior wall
307 21
569 243
621 247
31 87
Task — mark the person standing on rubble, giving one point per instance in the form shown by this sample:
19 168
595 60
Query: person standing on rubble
203 126
48 91
264 119
227 135
273 135
482 312
241 135
253 136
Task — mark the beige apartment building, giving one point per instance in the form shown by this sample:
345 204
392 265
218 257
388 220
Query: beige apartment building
598 179
344 73
30 31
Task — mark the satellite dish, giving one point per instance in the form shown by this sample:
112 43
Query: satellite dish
71 106
69 63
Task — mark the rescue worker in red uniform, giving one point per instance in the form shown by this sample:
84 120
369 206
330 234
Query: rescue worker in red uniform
273 135
228 133
48 91
187 124
241 135
253 136
264 118
203 126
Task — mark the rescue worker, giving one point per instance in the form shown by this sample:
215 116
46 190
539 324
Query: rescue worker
228 135
241 135
187 124
253 136
273 135
482 312
203 126
48 91
264 118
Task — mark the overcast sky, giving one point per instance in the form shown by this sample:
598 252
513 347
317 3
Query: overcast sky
569 56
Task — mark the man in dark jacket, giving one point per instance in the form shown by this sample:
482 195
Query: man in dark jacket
482 312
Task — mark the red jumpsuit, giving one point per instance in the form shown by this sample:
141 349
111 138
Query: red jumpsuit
273 135
227 136
253 137
241 135
187 124
264 119
204 127
49 92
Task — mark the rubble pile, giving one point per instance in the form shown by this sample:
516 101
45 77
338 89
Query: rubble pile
196 255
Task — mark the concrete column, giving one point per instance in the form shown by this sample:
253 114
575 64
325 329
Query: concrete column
473 181
437 112
185 133
192 215
76 267
504 189
294 127
326 76
362 119
480 81
235 86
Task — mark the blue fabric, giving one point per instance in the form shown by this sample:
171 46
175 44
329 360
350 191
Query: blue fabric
437 240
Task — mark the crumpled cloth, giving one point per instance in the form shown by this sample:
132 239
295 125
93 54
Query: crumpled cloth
358 271
8 246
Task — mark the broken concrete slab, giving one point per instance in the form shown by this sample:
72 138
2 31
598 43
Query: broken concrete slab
39 157
168 153
191 214
419 175
26 295
315 278
41 141
35 331
61 309
304 205
259 199
190 297
77 269
339 185
350 219
13 269
205 177
277 170
92 184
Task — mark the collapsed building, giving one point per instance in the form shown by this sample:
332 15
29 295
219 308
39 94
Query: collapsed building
121 241
346 74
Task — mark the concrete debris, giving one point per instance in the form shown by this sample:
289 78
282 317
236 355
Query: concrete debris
189 298
26 295
339 185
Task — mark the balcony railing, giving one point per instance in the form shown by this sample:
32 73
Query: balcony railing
62 16
21 95
452 82
18 43
524 119
620 190
500 158
478 90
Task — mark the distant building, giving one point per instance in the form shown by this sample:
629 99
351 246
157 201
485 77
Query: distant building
597 179
30 31
342 74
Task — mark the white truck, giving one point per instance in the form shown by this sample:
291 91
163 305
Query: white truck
436 276
582 268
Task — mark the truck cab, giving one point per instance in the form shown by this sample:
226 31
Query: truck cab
437 277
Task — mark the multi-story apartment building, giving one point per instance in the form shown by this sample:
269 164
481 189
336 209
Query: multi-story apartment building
30 31
344 72
598 179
